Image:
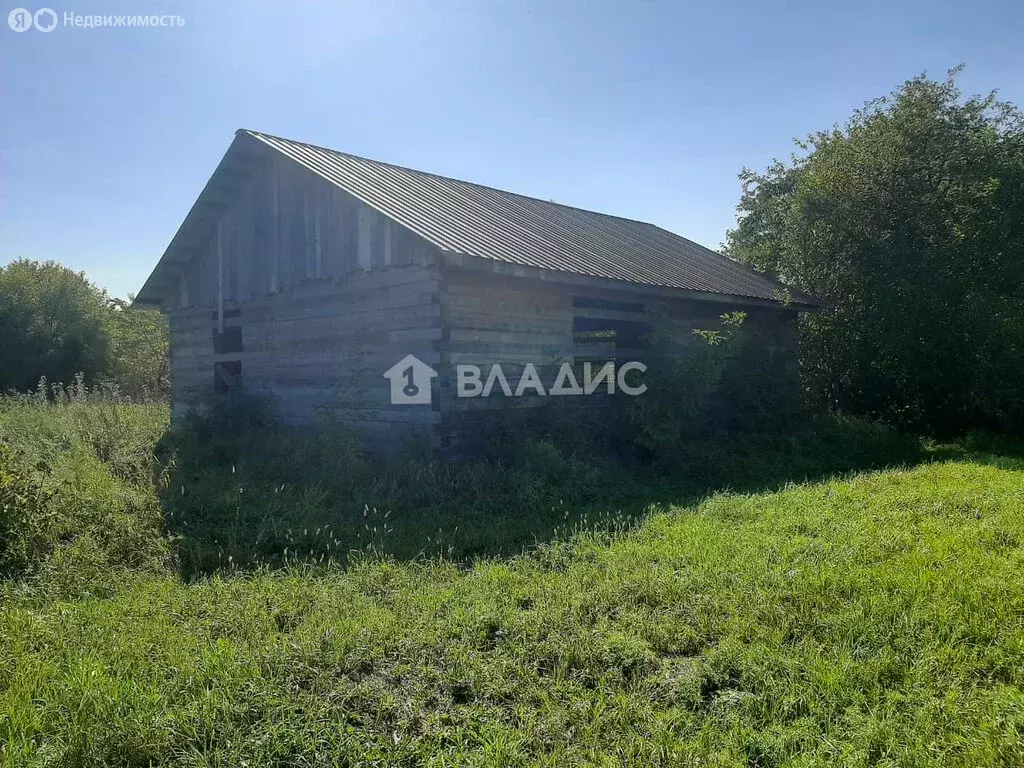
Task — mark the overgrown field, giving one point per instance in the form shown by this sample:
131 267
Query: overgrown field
205 599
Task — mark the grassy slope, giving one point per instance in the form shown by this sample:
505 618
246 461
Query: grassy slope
876 619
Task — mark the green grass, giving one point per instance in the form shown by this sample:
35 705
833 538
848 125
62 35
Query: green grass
104 522
237 499
867 619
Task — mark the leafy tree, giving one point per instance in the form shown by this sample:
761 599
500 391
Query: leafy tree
56 324
53 323
139 362
908 223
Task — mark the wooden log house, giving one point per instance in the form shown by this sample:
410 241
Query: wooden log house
306 275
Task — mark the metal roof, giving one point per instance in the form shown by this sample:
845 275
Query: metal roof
470 219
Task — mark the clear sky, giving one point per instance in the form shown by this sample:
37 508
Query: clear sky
642 108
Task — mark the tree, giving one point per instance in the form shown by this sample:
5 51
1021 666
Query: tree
908 223
53 323
139 362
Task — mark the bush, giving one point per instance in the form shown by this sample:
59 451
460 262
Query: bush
139 363
722 381
89 463
24 515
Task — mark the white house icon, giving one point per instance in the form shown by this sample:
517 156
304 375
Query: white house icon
410 381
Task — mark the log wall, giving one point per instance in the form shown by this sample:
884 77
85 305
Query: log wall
319 348
492 318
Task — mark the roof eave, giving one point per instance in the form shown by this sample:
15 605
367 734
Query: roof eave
233 170
476 263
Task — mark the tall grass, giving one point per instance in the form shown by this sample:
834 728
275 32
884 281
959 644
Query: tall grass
243 491
92 459
233 490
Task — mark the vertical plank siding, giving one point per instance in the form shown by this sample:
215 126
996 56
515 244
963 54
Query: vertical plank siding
287 226
320 320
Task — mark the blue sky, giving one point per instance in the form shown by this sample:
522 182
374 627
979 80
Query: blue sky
642 108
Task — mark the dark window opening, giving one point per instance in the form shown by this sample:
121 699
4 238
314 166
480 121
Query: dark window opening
600 332
227 376
582 302
229 341
609 324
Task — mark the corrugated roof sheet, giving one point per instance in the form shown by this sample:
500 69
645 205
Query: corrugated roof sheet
471 219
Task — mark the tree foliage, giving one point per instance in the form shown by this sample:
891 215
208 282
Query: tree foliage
139 363
725 379
908 223
55 324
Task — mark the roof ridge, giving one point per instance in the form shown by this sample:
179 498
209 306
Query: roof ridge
452 178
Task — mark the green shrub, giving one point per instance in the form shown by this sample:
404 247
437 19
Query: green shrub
92 462
139 344
721 381
24 516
